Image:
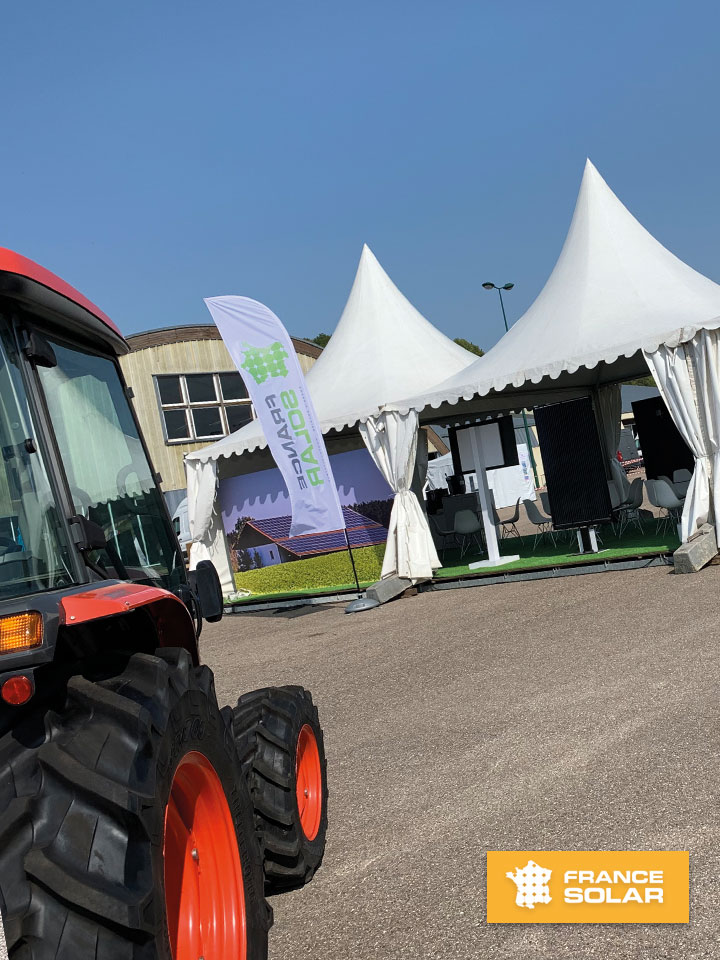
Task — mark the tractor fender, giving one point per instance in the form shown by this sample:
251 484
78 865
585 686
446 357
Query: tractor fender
170 616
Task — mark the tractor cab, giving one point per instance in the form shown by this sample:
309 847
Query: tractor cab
79 501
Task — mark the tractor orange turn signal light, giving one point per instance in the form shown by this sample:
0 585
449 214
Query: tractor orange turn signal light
17 690
20 631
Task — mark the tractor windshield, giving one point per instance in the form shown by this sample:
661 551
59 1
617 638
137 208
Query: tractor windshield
110 479
34 553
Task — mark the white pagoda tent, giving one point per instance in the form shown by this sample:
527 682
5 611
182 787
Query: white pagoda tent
381 349
616 303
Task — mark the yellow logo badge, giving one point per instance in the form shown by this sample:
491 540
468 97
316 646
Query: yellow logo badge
588 886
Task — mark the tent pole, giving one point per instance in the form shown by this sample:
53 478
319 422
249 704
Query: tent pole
494 559
525 423
484 495
530 449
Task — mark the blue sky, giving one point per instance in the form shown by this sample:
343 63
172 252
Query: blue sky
158 153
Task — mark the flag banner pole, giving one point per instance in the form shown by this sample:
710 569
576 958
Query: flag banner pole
263 352
352 560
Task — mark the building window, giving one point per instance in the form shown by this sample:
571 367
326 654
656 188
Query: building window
202 406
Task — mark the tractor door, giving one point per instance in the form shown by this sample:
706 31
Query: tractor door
107 469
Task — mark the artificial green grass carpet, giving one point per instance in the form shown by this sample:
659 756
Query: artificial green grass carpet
563 553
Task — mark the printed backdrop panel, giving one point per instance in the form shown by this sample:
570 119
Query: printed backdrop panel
267 560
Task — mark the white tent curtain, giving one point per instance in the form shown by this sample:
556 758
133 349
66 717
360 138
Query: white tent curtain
707 390
687 377
610 410
207 535
391 438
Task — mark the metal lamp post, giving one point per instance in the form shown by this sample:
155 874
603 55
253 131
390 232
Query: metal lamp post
509 286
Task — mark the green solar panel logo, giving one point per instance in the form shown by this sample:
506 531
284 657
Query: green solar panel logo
263 363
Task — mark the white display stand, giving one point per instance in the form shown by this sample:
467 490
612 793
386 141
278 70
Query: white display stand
478 453
591 541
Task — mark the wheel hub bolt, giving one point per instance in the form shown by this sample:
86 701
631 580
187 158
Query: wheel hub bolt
307 792
196 856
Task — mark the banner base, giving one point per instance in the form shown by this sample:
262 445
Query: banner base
362 603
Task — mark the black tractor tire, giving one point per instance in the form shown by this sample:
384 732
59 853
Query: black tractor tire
267 725
82 836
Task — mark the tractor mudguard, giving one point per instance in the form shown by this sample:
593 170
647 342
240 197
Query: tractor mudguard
172 620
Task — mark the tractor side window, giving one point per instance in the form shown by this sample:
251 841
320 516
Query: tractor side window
109 475
34 554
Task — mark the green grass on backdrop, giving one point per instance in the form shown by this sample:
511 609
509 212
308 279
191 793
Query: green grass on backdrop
323 574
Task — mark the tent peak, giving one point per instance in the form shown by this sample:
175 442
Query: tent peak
382 348
367 256
592 177
614 292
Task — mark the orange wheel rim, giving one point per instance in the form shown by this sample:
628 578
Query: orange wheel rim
308 780
204 894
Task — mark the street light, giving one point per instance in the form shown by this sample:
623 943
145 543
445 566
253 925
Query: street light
509 286
491 286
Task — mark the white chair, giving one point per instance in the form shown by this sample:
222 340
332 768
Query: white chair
561 534
669 482
667 500
616 504
681 481
629 512
542 523
508 528
442 533
650 489
615 498
466 528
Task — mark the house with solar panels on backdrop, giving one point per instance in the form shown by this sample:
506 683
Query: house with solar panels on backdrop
263 543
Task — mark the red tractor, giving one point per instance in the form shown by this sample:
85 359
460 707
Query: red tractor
137 819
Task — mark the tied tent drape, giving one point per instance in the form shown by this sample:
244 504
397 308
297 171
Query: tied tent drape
707 381
201 486
208 540
689 383
391 439
610 407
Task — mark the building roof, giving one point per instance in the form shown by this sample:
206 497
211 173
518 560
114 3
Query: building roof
185 333
362 532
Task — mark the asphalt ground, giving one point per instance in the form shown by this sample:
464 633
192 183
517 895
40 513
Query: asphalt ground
577 713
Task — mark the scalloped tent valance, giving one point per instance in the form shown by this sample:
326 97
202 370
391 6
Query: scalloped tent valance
382 348
614 292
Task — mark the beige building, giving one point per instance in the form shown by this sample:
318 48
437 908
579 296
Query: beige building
187 393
